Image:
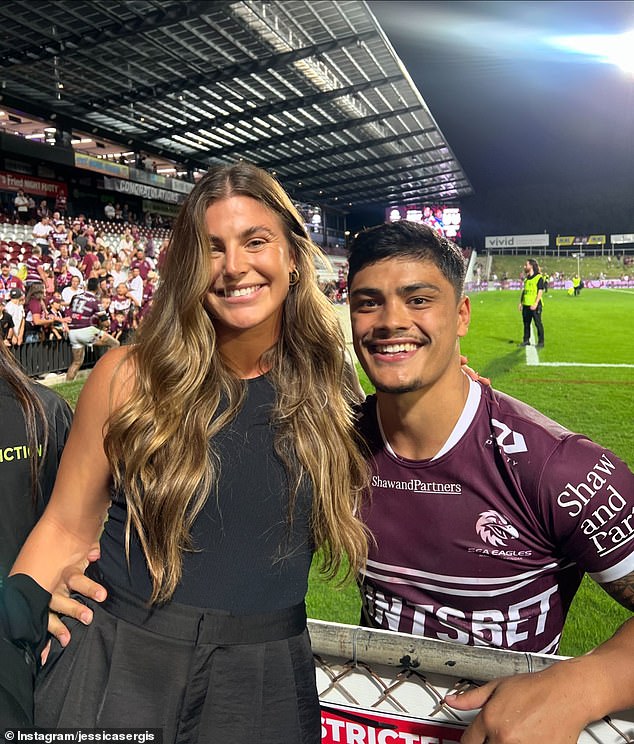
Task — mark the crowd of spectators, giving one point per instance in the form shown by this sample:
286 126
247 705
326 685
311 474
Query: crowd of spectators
43 273
49 263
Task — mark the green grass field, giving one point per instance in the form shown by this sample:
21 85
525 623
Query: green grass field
594 328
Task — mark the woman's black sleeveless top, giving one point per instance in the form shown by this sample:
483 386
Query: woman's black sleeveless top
248 559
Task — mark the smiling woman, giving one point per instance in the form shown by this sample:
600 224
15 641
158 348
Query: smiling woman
224 437
251 266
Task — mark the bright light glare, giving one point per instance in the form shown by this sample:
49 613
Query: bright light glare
614 49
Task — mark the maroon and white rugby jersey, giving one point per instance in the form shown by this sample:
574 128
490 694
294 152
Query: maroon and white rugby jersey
33 264
486 543
85 311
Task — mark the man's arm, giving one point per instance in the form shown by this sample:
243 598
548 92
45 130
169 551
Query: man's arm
622 590
20 333
39 320
555 705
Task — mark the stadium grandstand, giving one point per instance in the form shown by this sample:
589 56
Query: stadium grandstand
311 91
314 92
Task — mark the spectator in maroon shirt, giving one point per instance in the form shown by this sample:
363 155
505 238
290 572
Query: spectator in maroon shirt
57 238
63 277
37 318
35 272
88 261
141 263
62 257
119 326
124 301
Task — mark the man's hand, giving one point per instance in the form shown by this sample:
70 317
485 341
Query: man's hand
544 706
472 373
74 580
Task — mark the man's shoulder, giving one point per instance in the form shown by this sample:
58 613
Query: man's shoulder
514 412
533 443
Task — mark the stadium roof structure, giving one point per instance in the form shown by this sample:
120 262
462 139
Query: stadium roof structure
311 90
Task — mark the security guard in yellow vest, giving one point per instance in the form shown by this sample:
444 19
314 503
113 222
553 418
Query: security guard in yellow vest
531 302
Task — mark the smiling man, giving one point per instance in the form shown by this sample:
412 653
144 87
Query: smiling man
486 514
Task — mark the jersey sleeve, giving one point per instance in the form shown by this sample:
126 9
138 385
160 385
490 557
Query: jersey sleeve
587 496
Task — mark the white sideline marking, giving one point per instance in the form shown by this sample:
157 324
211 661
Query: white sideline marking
578 364
532 359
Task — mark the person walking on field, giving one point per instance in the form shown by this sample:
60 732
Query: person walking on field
531 302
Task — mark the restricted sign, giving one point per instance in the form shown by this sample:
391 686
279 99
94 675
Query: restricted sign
350 725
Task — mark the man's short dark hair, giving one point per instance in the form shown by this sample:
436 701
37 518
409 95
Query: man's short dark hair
93 284
405 240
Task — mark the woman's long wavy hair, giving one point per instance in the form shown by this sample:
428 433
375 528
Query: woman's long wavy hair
160 440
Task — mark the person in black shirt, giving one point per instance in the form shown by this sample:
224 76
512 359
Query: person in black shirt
35 424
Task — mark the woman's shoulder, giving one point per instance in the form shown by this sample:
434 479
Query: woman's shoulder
111 379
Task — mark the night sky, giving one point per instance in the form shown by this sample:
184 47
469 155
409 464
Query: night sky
545 135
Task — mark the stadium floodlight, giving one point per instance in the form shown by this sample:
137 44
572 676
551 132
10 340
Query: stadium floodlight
615 49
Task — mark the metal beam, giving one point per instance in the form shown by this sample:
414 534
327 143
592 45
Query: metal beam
369 163
385 193
341 149
225 74
371 185
392 172
317 130
279 107
75 42
70 123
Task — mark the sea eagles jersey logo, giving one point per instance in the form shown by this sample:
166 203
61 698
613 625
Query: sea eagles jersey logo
510 441
494 528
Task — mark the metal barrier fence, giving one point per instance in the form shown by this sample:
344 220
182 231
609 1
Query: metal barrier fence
379 687
45 357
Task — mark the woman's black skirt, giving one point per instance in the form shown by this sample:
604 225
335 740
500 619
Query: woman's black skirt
201 676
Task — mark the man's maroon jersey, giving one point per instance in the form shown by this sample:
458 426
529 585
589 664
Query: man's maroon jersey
486 543
33 264
85 311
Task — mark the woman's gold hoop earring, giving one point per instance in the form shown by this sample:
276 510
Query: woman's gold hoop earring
293 277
